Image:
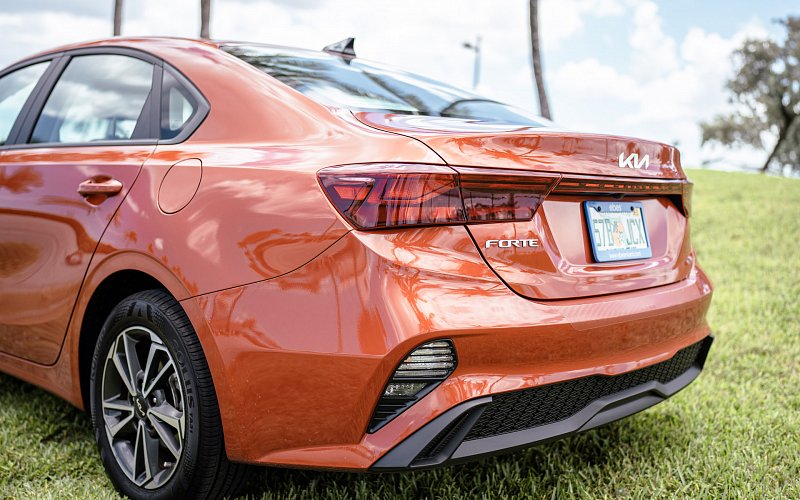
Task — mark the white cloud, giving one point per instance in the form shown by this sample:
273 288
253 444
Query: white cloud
654 52
560 20
24 34
590 78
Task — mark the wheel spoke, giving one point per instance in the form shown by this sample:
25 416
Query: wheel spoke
151 453
150 384
169 415
115 428
151 363
123 373
132 360
116 424
118 404
140 456
165 434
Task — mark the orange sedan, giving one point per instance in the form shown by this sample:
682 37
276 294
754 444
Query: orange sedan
233 254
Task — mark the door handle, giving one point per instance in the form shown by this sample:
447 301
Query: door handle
105 186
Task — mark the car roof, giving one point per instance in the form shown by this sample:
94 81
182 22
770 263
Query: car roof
160 45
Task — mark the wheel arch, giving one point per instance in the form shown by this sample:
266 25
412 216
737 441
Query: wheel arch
108 282
110 292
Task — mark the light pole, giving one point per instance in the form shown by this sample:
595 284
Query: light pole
476 47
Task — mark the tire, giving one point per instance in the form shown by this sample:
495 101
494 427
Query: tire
165 440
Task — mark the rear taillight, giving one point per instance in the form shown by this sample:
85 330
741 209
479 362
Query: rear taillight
686 198
391 195
679 191
387 195
500 195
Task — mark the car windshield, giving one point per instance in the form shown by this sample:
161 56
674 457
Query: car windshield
359 85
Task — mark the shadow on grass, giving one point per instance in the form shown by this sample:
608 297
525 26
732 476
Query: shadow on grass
43 438
540 471
49 418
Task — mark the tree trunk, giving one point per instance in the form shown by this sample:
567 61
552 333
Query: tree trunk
117 17
544 107
781 137
788 120
205 15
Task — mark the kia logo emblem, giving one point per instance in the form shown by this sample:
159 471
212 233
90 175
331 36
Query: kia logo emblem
633 161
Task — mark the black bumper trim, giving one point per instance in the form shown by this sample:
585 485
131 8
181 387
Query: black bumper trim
407 454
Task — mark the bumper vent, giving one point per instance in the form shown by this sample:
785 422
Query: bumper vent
520 410
418 374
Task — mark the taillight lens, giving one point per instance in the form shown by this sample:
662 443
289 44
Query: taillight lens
381 195
502 196
391 195
680 192
686 198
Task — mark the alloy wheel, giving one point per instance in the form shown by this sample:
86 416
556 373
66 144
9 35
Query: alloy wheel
143 407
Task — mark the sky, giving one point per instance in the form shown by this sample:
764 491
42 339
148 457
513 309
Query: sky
641 68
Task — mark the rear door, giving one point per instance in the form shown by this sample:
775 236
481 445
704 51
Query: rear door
77 151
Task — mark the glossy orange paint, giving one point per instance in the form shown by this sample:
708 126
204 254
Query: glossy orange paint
374 297
562 267
469 143
302 318
49 233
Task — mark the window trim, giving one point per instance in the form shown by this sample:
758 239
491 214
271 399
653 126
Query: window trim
22 130
199 115
43 82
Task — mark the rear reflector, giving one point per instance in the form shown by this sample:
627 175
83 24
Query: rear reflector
392 195
418 374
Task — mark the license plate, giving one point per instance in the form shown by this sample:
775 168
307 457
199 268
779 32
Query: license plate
617 230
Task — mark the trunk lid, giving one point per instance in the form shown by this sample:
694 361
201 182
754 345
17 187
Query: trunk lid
482 144
590 167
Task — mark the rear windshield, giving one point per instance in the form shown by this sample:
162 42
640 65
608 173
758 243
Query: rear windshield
360 85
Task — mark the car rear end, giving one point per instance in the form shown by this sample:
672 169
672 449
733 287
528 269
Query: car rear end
535 283
601 313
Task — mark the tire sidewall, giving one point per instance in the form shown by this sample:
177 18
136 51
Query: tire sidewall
127 314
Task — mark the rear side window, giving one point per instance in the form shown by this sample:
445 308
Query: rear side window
98 98
178 106
15 88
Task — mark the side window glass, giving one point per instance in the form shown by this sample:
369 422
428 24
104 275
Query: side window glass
178 106
98 98
15 88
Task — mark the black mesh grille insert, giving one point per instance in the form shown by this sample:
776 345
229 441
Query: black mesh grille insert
519 410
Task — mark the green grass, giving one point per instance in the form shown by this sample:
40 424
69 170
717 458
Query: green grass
734 433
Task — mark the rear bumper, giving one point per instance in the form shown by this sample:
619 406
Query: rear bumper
300 362
470 430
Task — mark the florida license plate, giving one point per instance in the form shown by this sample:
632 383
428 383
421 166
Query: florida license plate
617 230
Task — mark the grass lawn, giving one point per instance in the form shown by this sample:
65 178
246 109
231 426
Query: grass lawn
734 432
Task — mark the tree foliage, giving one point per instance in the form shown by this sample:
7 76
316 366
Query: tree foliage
766 87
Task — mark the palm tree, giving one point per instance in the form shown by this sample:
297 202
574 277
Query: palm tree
544 107
117 17
205 15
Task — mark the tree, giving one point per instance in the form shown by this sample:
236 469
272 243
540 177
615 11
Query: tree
117 17
205 16
766 87
544 107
